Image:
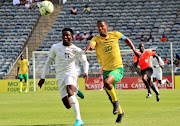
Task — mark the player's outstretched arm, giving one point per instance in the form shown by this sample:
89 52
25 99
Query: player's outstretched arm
90 47
86 77
131 45
41 82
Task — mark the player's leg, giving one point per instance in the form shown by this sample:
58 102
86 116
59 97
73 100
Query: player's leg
75 104
110 78
72 88
101 83
120 114
25 80
21 83
144 78
108 83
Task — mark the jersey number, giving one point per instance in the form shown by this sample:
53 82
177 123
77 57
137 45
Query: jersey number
67 55
108 48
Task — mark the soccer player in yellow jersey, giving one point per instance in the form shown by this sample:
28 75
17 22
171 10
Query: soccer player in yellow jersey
109 57
22 72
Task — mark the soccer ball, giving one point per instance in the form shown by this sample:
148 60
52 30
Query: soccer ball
46 8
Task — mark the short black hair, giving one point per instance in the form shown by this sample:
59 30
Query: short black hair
99 21
68 29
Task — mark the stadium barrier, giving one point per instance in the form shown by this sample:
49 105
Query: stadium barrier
49 85
91 84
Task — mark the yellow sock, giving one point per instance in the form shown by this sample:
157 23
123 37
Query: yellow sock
26 86
20 86
120 110
112 93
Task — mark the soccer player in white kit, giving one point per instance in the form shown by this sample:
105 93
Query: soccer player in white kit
67 57
157 70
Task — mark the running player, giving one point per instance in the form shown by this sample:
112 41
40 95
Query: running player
109 57
157 70
66 56
22 72
146 70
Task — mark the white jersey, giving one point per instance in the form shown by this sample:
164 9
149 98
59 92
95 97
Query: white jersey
66 60
154 62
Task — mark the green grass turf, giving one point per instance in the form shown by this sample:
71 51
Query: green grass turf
46 108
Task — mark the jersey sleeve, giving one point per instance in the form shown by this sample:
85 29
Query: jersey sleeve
93 41
135 58
151 53
82 57
120 35
27 62
52 52
161 62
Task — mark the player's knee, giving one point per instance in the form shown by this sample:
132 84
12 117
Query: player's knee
68 106
144 79
106 84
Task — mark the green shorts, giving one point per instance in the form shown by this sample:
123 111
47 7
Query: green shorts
117 73
23 76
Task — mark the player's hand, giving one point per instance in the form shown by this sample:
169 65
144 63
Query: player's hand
161 66
85 77
138 54
89 47
29 72
41 82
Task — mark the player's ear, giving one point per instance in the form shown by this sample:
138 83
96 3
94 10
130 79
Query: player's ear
72 37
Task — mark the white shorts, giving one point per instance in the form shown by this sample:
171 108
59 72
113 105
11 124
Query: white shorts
157 75
67 80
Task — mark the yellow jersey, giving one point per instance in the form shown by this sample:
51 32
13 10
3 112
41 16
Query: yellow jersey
23 66
108 51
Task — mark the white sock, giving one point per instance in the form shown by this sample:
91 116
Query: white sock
154 83
163 81
75 105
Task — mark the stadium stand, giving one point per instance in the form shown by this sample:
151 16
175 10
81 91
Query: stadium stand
16 25
131 17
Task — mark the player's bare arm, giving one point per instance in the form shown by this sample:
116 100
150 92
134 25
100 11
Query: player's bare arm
158 60
29 70
131 45
18 72
90 47
85 77
136 63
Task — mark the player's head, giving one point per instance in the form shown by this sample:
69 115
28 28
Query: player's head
141 48
67 36
22 56
102 27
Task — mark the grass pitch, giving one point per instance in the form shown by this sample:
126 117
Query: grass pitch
46 108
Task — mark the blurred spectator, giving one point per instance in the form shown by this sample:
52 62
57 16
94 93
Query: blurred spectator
87 10
85 36
33 5
39 3
74 10
23 2
16 2
142 38
78 36
178 56
163 39
27 5
91 35
165 60
177 68
150 38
